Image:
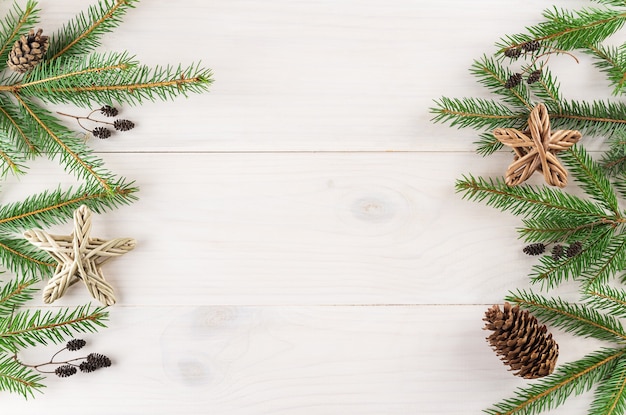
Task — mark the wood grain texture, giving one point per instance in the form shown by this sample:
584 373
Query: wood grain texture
301 249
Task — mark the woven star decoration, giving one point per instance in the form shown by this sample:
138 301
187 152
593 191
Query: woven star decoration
535 149
79 257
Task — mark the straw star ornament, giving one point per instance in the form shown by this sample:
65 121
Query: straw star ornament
535 149
79 257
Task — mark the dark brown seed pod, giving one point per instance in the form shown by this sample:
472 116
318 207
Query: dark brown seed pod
75 344
534 249
558 251
574 249
513 53
123 125
534 76
531 46
513 81
109 111
65 371
101 132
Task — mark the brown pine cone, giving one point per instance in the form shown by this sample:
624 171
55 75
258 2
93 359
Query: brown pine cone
521 342
28 51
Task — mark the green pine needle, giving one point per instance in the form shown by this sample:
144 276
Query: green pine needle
572 378
70 73
30 328
608 299
570 317
17 378
610 396
590 218
82 34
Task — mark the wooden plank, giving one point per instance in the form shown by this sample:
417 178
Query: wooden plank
317 75
291 360
304 229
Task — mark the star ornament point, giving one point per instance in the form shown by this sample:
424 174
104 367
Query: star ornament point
79 257
535 149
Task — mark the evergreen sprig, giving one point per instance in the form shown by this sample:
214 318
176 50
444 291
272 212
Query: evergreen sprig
586 227
18 378
21 329
572 378
555 216
71 72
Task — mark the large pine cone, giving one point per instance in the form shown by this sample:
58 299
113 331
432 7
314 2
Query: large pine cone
28 51
521 342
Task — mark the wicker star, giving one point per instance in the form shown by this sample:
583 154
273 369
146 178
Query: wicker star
79 257
537 152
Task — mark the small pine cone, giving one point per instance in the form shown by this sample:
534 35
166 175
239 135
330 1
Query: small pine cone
99 360
513 53
123 125
557 252
574 249
87 367
531 46
65 371
108 111
75 344
28 51
101 132
534 249
513 81
534 77
521 342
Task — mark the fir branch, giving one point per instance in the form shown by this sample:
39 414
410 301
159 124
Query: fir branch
612 2
526 200
11 125
57 140
591 178
550 272
620 184
15 23
612 61
546 89
614 159
17 378
569 30
571 378
15 293
610 397
69 72
487 144
572 318
476 113
29 328
120 82
598 118
19 256
494 77
54 207
610 262
610 300
560 228
82 34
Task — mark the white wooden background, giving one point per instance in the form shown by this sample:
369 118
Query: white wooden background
301 248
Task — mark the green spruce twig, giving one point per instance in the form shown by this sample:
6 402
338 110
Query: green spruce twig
71 72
